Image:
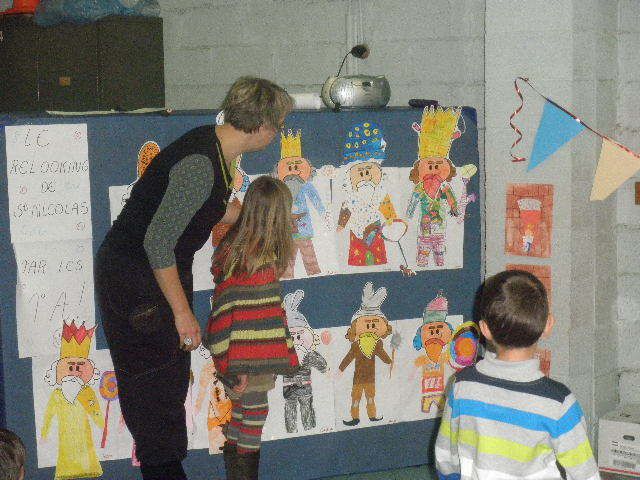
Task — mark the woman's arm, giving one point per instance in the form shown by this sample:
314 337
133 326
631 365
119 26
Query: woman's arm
190 182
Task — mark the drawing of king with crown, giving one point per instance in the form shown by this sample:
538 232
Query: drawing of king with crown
431 175
297 173
367 206
75 404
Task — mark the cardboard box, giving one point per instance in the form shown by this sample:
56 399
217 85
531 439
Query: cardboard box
619 441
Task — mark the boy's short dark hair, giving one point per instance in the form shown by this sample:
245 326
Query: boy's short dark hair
514 306
12 455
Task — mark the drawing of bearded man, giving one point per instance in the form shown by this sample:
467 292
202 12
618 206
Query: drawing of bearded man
75 404
367 206
369 326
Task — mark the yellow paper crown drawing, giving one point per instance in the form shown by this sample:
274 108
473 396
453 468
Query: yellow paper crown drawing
437 130
290 144
75 341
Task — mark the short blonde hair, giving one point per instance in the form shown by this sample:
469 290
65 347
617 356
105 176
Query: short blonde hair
252 102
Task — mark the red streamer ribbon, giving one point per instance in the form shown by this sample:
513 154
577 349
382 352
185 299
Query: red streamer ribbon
513 125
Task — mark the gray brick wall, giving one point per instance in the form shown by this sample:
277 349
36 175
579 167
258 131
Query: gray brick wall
426 49
569 49
628 214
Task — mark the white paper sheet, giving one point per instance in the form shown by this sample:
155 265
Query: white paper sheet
48 180
202 278
55 285
202 395
332 247
118 196
398 390
118 442
324 236
398 395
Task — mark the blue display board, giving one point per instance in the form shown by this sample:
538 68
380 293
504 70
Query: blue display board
330 301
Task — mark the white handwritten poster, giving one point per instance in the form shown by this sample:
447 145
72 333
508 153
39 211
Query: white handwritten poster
55 285
48 179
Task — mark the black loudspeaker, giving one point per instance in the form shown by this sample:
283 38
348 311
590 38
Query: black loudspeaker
115 63
18 63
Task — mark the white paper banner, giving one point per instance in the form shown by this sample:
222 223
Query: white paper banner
398 243
55 285
48 179
398 397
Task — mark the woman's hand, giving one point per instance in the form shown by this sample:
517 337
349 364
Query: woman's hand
186 323
188 330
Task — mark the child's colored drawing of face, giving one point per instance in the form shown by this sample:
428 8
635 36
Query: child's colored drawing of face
365 172
302 336
75 367
435 336
371 324
434 166
297 166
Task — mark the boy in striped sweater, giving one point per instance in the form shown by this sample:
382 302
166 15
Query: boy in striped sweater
504 420
247 333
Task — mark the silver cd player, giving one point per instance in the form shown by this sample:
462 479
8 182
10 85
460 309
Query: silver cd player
356 91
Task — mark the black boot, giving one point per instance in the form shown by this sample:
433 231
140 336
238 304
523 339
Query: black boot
248 466
230 455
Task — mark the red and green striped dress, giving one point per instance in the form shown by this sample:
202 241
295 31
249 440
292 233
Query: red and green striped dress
247 331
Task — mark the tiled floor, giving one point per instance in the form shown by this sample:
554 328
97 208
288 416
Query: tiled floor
424 472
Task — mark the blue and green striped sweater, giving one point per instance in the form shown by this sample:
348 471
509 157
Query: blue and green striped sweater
507 421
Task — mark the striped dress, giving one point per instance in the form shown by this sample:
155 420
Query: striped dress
247 331
507 421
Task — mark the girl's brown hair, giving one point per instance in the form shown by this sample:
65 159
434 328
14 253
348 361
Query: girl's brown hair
262 234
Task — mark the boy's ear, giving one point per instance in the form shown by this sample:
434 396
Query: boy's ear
484 328
21 474
548 328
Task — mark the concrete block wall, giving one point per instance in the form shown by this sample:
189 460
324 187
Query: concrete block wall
594 257
569 50
426 49
628 214
537 42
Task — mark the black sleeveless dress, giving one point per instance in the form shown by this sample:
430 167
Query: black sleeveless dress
151 370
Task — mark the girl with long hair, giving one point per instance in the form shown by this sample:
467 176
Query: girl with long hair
247 331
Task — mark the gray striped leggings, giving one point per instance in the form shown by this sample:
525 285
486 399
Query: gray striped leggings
248 415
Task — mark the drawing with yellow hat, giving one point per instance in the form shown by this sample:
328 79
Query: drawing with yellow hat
297 173
75 404
431 175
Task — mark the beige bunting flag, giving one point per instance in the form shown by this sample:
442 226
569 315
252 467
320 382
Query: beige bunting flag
616 165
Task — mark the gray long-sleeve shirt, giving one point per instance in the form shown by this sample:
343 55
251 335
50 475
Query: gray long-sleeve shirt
190 182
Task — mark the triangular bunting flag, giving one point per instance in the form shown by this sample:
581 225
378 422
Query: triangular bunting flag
614 167
556 128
